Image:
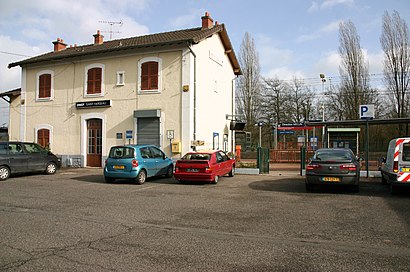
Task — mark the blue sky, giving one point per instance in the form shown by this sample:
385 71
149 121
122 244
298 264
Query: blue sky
293 37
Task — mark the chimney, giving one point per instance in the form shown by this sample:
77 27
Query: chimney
98 38
59 45
207 21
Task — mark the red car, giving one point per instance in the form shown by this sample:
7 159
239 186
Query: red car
204 166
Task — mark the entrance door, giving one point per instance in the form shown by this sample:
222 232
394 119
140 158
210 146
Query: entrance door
94 142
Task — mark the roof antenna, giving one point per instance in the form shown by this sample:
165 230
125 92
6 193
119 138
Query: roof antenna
111 23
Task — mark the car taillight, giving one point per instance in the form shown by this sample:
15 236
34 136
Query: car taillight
134 163
350 167
396 167
313 166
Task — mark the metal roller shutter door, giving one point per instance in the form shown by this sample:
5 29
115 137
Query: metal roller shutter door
148 131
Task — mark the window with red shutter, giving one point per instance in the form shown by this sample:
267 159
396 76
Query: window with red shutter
44 89
43 137
94 77
149 75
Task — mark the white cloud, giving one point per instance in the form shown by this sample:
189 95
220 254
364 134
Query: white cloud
186 20
270 56
328 28
284 73
328 4
328 64
73 21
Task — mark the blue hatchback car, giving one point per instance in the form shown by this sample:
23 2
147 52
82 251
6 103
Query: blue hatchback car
137 162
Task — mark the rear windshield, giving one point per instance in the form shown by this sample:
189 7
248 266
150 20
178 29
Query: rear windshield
121 152
197 156
333 155
406 152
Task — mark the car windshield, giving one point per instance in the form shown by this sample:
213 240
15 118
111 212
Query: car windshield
197 156
333 155
121 152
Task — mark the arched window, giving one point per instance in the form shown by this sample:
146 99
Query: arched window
94 80
149 79
45 89
43 137
149 76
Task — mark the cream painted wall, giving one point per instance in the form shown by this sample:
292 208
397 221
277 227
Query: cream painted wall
213 95
69 83
214 92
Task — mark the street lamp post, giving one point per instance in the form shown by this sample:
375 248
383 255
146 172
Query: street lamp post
323 78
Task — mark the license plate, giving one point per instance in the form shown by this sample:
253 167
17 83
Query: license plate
118 167
405 169
192 170
331 179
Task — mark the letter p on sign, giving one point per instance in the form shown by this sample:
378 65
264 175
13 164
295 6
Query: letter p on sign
366 111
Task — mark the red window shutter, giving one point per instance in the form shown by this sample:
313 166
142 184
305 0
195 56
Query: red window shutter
144 76
94 78
149 75
154 75
44 89
43 137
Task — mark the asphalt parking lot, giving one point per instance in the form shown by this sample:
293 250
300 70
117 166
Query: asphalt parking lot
74 221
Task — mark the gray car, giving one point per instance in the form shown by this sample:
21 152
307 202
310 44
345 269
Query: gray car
21 157
337 166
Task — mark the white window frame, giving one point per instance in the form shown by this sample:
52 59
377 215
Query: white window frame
43 72
148 59
88 67
120 75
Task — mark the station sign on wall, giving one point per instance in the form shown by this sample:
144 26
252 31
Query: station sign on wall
93 104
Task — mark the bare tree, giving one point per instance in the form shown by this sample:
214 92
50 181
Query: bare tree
396 46
301 101
248 86
275 103
354 88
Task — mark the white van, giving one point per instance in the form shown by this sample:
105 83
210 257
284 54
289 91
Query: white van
396 167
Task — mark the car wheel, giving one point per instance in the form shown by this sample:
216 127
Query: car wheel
141 177
4 172
216 179
51 168
232 173
170 171
309 187
109 180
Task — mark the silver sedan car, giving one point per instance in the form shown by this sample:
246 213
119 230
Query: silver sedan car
337 166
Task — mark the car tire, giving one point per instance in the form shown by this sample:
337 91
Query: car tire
141 177
170 172
216 180
51 168
109 180
4 172
232 173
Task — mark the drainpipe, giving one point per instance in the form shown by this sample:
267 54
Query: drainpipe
233 114
193 54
